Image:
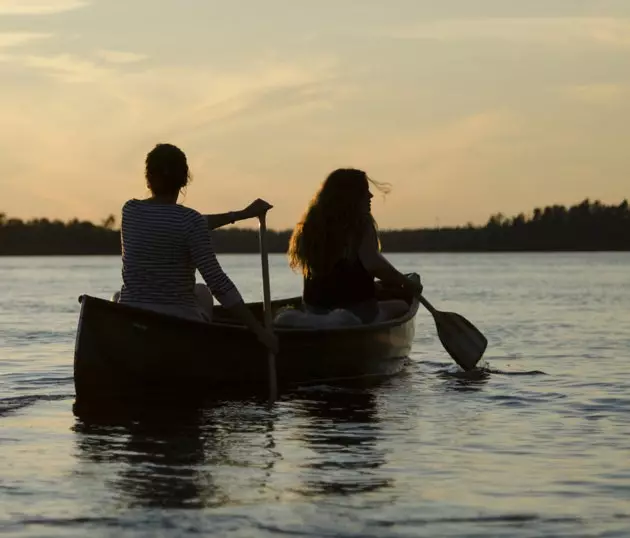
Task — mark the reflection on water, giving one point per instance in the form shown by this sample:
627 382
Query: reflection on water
342 431
169 460
159 459
179 460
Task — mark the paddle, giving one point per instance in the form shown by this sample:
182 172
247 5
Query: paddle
461 339
271 359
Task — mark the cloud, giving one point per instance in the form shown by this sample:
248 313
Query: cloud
435 143
15 39
66 67
39 7
120 57
559 30
597 93
70 68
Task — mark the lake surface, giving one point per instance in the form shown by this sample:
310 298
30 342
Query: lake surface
538 446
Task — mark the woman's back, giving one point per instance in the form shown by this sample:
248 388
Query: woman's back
163 245
325 246
156 264
346 285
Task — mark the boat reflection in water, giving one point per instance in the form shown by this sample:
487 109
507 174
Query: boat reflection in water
342 431
313 443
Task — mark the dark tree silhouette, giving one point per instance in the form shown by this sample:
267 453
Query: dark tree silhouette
109 222
586 226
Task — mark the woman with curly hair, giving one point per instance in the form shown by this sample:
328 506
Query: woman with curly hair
336 248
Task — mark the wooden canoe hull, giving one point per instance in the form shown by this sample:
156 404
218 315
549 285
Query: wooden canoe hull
121 351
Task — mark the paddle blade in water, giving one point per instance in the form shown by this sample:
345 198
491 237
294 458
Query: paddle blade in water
461 339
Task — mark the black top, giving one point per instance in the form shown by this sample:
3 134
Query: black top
347 285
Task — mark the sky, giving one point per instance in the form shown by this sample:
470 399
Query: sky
466 107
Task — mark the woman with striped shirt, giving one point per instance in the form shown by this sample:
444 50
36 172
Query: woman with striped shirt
164 243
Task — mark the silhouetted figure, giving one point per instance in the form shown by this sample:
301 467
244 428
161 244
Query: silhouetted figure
164 243
336 248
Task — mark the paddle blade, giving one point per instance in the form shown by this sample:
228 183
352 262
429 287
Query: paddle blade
461 339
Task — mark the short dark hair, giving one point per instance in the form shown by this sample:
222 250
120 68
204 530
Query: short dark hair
166 169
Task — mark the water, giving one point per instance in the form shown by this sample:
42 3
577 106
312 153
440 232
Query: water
537 446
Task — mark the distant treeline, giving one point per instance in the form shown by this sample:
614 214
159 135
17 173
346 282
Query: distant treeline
583 227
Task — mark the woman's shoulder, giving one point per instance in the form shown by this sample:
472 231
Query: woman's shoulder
368 241
368 230
134 204
147 205
147 211
193 220
191 214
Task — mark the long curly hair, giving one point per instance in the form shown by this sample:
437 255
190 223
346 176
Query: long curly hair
334 222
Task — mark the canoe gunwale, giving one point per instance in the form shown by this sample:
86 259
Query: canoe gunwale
229 326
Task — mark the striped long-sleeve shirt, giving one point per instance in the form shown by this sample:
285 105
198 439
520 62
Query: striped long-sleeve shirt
162 247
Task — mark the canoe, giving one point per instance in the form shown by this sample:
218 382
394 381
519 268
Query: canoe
125 352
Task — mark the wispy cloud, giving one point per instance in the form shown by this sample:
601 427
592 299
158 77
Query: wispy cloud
39 7
66 67
15 39
612 31
120 57
270 94
70 68
598 93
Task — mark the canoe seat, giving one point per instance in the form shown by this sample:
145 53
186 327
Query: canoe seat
294 317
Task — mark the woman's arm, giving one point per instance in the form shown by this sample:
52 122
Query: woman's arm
379 267
220 285
257 208
218 220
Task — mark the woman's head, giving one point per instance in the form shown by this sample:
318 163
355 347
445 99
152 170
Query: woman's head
345 191
334 222
166 170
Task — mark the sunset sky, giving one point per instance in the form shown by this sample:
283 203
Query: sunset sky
467 107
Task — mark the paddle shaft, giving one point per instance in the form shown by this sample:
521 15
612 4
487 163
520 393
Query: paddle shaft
264 258
427 305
